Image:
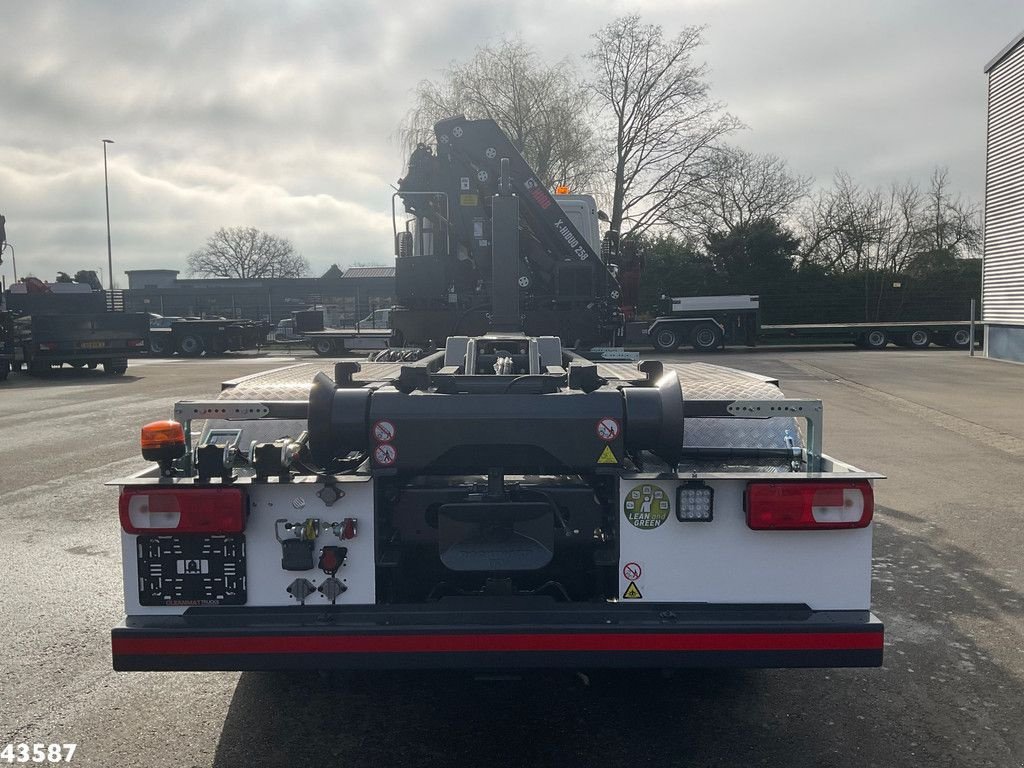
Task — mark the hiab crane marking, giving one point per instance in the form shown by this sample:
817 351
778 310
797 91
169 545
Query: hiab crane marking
542 198
570 239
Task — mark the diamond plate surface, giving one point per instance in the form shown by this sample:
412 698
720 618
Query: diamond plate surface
702 381
294 381
699 381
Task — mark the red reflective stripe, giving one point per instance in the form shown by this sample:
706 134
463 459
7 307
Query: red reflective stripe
760 641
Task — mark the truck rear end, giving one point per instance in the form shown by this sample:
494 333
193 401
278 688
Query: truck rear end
499 505
101 338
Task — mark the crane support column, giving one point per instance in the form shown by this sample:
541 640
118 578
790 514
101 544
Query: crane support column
505 315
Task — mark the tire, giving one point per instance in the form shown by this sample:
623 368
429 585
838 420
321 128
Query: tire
919 338
217 346
77 365
159 345
323 347
960 338
706 337
191 345
876 338
665 340
39 369
5 368
115 367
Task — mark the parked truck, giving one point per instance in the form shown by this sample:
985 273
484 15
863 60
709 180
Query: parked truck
708 323
70 324
500 504
370 334
192 337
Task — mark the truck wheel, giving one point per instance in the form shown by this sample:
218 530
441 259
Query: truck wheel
191 345
115 367
666 340
919 338
706 337
876 338
39 369
159 345
5 368
323 347
217 346
960 338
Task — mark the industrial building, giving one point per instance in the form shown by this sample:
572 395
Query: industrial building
347 296
1003 272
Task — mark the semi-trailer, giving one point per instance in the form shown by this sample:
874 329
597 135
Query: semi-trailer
708 323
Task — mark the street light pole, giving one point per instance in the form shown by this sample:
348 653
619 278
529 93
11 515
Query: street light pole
106 194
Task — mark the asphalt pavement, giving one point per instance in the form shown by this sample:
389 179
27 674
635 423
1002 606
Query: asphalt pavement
948 431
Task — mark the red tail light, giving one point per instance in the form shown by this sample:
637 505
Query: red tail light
798 506
182 510
47 346
135 342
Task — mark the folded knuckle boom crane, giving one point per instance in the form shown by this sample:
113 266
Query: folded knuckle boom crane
443 268
501 503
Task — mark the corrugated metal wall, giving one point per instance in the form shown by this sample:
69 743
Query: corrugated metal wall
1003 280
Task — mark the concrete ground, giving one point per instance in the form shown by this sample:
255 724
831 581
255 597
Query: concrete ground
947 430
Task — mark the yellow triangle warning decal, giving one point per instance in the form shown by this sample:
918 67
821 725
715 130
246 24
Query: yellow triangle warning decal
632 593
607 457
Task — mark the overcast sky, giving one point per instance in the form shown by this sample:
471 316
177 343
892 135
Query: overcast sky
283 115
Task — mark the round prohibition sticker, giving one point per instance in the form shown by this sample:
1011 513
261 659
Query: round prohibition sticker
646 506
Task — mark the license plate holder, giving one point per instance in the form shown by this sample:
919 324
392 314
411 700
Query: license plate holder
192 569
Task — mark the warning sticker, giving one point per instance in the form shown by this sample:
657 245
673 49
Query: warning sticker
607 457
608 429
632 593
646 506
385 454
469 200
383 431
631 571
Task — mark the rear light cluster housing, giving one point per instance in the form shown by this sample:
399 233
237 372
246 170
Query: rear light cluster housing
801 506
184 510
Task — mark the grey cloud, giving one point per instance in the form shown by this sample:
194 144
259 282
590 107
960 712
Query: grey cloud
284 115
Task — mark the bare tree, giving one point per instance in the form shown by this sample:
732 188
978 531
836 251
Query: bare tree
741 188
246 252
542 107
951 226
664 125
851 228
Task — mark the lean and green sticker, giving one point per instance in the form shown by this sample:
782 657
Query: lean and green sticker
646 506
